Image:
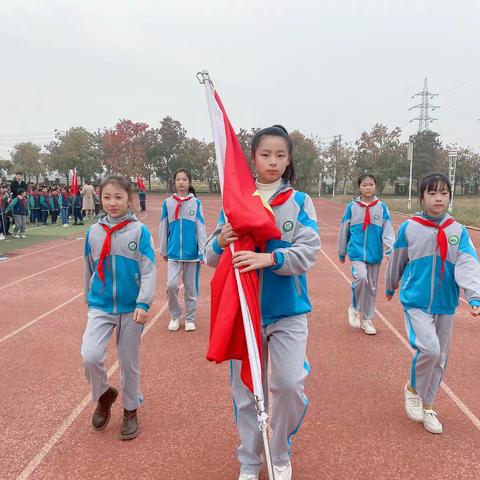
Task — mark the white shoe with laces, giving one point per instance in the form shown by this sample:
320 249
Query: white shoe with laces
190 327
353 317
283 472
2 236
174 325
368 328
248 476
413 406
431 422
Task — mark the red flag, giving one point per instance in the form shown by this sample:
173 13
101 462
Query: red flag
140 184
74 185
255 225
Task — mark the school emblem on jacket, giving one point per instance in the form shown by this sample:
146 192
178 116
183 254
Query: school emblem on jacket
376 216
287 226
132 246
191 213
453 240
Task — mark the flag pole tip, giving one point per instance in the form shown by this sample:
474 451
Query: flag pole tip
203 76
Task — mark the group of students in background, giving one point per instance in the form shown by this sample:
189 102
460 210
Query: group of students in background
429 259
30 203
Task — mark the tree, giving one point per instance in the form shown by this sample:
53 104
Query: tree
124 148
172 142
381 153
153 158
428 154
245 138
6 167
306 161
468 167
26 157
75 148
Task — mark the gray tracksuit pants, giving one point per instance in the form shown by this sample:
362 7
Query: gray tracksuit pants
99 329
20 224
364 287
430 336
188 273
284 345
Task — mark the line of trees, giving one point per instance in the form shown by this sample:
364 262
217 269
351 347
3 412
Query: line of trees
132 148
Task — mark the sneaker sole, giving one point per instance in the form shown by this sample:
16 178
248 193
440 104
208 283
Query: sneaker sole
104 426
369 333
435 432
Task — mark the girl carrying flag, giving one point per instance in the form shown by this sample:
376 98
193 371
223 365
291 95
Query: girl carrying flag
365 232
182 243
284 303
433 257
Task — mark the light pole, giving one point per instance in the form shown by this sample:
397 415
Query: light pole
452 168
410 159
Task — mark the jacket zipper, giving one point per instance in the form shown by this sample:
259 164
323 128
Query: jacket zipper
432 285
297 285
365 245
114 283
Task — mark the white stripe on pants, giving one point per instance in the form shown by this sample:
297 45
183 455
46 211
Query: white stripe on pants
188 272
99 329
284 343
364 287
430 336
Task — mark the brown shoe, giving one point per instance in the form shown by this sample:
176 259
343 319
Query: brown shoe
129 428
101 415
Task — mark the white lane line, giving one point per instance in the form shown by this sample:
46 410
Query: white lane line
39 251
35 320
51 442
464 409
40 273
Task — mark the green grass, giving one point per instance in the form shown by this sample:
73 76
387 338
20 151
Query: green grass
39 235
465 209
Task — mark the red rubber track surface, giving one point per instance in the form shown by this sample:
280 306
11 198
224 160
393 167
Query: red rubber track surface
355 426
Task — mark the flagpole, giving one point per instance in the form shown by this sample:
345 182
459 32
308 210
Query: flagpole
253 353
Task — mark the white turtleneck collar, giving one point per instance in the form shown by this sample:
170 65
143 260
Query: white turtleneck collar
266 190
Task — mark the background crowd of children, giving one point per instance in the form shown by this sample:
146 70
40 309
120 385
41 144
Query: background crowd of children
22 203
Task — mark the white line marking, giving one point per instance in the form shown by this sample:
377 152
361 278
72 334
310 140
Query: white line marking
39 273
465 410
35 320
51 442
40 251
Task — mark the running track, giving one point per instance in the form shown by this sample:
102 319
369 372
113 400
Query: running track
355 427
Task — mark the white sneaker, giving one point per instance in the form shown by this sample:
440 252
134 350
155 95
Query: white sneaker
368 328
431 422
2 236
65 225
174 325
248 476
190 326
413 406
16 236
23 236
353 317
284 472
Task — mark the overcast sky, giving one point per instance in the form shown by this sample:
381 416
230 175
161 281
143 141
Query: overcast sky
324 67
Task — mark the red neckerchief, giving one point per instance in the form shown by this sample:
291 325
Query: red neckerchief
281 198
179 203
442 243
367 220
106 246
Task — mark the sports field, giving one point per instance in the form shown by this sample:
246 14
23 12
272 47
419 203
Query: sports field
355 427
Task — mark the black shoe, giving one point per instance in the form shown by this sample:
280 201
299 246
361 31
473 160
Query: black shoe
129 429
101 415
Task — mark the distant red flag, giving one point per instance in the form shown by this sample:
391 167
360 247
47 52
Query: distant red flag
74 185
255 225
140 184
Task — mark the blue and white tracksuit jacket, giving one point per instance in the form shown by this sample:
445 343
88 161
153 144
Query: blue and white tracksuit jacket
284 305
182 239
416 262
130 276
365 246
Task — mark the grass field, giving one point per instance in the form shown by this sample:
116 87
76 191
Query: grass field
36 234
465 209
